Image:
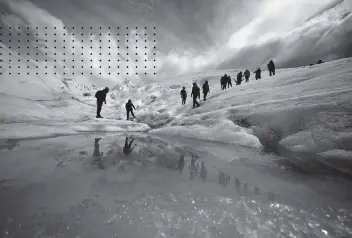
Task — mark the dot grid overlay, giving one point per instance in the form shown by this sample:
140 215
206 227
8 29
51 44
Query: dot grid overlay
105 51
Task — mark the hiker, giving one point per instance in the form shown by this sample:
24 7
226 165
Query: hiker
239 78
101 97
127 148
247 74
129 109
205 90
271 68
320 62
223 82
183 94
195 94
258 74
228 81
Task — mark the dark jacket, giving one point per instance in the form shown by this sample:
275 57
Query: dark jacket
239 76
247 73
271 65
205 87
183 93
223 80
195 91
258 72
130 106
101 96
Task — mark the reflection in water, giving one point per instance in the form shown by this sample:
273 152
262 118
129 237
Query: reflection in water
9 144
181 163
151 199
203 171
193 168
224 179
97 156
127 148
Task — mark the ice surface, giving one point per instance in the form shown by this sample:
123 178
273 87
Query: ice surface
306 109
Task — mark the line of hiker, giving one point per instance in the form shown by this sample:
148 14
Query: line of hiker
195 93
225 80
101 98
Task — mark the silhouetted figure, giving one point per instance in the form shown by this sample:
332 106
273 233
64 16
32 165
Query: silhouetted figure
228 81
203 171
205 90
311 64
320 62
181 163
239 78
129 109
97 156
127 148
258 73
183 94
101 97
271 68
223 82
195 94
247 74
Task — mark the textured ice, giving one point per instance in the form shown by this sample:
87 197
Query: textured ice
305 109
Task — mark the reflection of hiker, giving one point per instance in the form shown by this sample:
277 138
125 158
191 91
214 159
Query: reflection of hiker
183 94
196 94
193 168
129 109
205 90
271 68
101 97
97 156
127 148
228 81
247 74
239 78
203 171
224 179
10 144
181 163
258 74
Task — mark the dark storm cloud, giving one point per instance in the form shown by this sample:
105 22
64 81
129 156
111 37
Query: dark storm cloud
198 34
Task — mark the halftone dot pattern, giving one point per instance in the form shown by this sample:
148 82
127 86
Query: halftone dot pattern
77 50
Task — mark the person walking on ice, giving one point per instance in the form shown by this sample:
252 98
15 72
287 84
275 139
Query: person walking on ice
129 109
271 68
183 94
205 90
195 94
258 74
101 97
247 74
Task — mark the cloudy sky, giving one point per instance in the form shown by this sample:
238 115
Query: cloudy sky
189 35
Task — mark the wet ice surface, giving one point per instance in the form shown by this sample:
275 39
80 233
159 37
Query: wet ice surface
78 186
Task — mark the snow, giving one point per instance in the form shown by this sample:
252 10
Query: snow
305 109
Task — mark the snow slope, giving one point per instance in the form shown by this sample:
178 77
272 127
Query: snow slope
306 109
